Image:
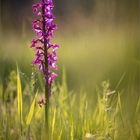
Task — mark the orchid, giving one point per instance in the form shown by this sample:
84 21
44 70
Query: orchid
44 27
45 51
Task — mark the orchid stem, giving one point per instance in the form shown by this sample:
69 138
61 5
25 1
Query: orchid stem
47 87
45 51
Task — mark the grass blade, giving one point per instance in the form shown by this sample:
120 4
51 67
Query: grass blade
19 96
53 122
31 111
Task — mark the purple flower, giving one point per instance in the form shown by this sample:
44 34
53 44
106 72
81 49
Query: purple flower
45 52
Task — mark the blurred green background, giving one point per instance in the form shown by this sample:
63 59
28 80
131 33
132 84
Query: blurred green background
100 52
99 39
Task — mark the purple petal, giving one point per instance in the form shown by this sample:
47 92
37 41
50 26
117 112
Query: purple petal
54 66
55 46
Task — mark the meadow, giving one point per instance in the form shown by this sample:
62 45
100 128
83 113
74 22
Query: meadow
95 97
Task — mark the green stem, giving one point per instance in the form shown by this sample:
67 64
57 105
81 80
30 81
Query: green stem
47 111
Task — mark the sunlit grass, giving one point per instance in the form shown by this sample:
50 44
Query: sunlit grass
72 116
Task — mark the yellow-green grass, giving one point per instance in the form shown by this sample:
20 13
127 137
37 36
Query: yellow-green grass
71 116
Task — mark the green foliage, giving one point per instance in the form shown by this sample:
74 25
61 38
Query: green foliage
31 111
72 115
19 96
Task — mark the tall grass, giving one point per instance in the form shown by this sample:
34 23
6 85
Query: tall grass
72 116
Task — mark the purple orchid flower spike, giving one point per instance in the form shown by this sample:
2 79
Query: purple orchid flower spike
45 52
44 27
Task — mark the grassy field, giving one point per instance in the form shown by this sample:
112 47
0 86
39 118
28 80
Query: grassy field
72 115
95 97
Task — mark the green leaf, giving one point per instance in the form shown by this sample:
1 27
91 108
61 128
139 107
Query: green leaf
19 96
31 111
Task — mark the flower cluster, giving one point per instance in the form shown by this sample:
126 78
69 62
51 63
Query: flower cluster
44 27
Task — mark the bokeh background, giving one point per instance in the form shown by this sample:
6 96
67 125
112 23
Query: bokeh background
99 39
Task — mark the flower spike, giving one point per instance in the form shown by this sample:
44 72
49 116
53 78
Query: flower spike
45 52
